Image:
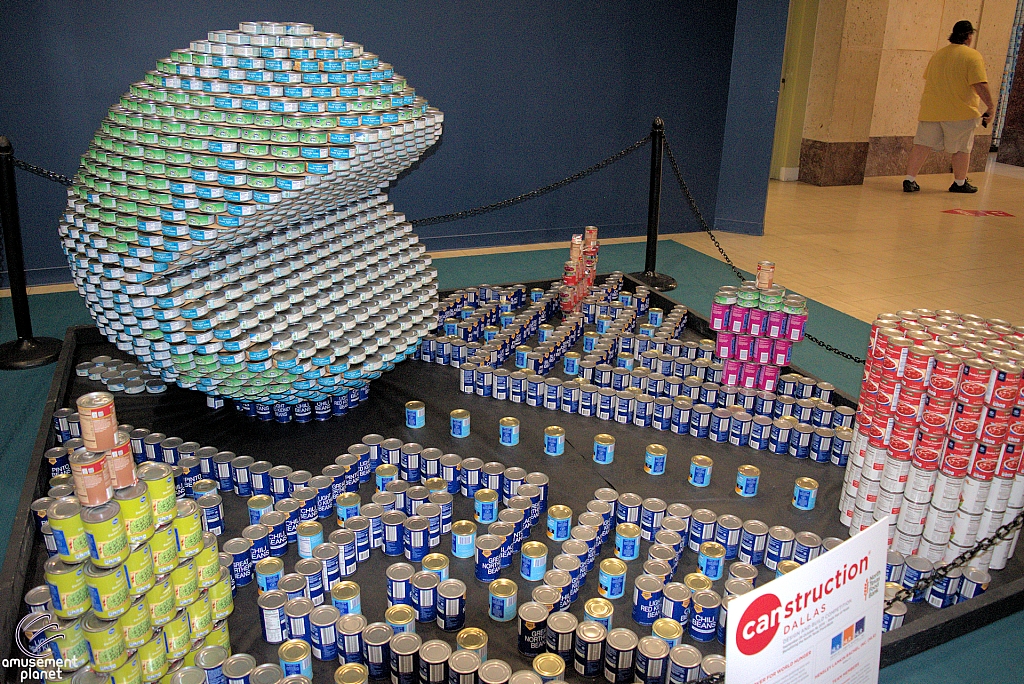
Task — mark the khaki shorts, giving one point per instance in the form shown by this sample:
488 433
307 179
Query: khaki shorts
951 136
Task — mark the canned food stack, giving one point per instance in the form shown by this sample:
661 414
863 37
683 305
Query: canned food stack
756 331
227 228
580 270
939 430
134 582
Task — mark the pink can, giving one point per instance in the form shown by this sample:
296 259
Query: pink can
762 350
745 347
795 327
725 343
748 376
738 319
781 350
768 378
756 319
776 324
719 316
731 371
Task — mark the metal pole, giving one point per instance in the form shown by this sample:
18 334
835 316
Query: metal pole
650 276
26 351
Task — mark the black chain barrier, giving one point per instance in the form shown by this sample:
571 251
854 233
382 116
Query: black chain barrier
721 250
43 173
533 194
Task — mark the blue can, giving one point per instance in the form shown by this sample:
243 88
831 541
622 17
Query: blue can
806 547
533 561
393 524
277 538
588 400
821 444
241 562
779 547
625 407
424 595
703 526
747 479
779 436
470 476
800 440
700 421
655 458
918 568
704 616
605 404
805 493
460 423
760 433
463 539
415 414
647 597
467 377
894 564
611 578
841 442
399 588
604 449
662 418
682 414
675 602
554 440
535 390
517 387
416 538
627 541
728 531
700 470
739 433
508 431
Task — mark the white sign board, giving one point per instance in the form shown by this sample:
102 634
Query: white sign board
821 623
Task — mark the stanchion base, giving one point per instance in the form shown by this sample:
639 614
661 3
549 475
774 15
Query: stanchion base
658 282
23 354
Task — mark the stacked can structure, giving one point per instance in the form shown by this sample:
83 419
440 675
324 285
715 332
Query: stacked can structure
938 437
227 228
756 331
134 582
580 270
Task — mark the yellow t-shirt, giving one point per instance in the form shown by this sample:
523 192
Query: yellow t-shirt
948 95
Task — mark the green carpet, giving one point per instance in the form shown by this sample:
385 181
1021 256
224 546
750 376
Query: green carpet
23 394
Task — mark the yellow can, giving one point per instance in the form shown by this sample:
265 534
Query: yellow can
160 600
159 479
599 610
200 617
222 604
64 516
164 549
472 639
136 512
188 529
177 635
696 582
69 595
219 636
137 624
139 571
108 590
108 542
107 651
549 666
71 644
153 658
186 582
208 562
352 673
130 672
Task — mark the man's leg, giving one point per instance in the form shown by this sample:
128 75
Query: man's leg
917 158
961 162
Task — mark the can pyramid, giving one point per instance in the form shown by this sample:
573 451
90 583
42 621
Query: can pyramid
228 224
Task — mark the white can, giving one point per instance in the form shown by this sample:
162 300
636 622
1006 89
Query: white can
888 503
920 484
857 447
931 551
894 474
1016 499
947 492
851 474
867 494
861 519
938 525
973 495
999 495
905 543
990 522
952 551
846 503
912 517
851 488
965 528
1004 549
874 462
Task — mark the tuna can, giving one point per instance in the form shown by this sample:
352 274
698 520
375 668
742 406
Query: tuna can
599 610
700 470
508 431
779 547
485 506
436 563
345 598
415 414
463 539
753 542
295 658
532 628
474 640
604 449
647 597
655 458
711 560
554 440
704 616
627 541
559 523
549 667
451 605
269 572
108 591
376 649
669 631
747 479
805 493
460 423
652 662
533 561
589 651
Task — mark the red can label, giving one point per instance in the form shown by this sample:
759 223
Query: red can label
933 423
970 411
963 429
971 392
942 386
1009 461
1015 434
899 448
954 465
926 457
1004 389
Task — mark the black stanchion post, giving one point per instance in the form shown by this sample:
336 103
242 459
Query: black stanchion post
650 276
26 351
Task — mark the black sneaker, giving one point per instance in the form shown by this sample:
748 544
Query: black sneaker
965 188
910 186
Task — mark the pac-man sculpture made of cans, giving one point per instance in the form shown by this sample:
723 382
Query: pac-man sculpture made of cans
228 225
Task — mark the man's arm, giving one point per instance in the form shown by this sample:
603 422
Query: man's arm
986 97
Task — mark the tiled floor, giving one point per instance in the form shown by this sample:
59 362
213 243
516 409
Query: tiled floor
870 248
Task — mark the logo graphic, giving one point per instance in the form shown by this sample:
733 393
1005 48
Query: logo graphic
758 624
36 625
847 636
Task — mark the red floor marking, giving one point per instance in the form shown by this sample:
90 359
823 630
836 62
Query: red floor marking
976 212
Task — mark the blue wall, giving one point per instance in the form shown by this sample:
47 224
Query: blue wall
531 91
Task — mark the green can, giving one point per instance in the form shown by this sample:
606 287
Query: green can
160 480
65 521
108 542
185 581
138 570
108 591
153 658
105 640
219 635
177 635
136 512
130 672
208 562
188 529
200 616
137 624
222 604
160 600
164 549
71 646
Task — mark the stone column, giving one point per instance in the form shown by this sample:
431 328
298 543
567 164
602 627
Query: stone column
1011 143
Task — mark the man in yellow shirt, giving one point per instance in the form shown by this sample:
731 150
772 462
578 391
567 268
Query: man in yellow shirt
954 85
